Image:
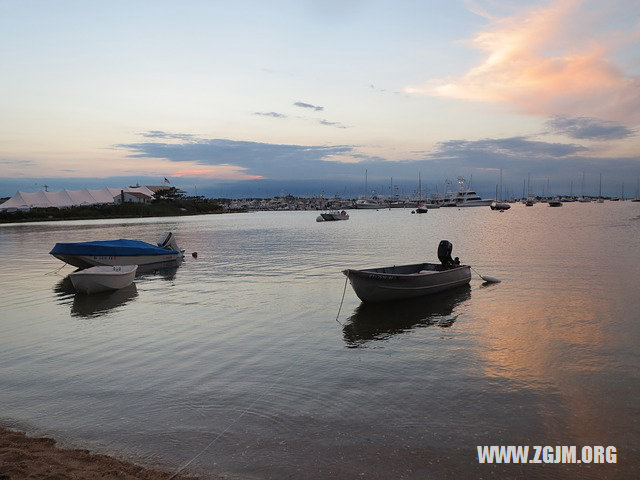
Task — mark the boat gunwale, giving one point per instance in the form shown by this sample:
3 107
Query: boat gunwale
369 273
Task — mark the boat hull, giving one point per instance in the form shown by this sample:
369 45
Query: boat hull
374 285
330 217
474 203
103 279
87 261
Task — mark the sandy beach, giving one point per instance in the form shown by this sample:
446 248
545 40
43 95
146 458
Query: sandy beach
22 457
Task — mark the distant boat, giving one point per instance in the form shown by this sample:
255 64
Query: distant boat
555 202
366 203
120 252
467 198
332 216
499 206
383 284
102 279
422 208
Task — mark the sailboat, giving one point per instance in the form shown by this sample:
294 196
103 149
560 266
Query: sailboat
496 204
582 198
637 199
600 199
364 201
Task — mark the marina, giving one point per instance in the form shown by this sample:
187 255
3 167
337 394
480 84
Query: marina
238 350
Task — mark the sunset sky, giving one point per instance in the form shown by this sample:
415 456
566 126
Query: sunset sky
243 98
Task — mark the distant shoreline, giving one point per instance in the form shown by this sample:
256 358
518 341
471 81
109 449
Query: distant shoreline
163 208
22 456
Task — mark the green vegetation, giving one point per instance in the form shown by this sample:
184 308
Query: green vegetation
163 207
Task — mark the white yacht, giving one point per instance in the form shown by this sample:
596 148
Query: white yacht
468 198
370 203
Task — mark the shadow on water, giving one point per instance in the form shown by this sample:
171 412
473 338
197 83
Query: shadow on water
96 304
370 322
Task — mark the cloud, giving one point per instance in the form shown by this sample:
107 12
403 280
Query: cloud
308 105
331 124
540 63
161 134
226 172
516 148
587 128
271 114
250 158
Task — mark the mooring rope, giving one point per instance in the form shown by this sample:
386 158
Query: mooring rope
56 270
267 390
233 422
342 300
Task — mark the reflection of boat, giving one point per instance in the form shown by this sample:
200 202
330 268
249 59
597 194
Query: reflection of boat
333 215
102 279
101 303
408 281
120 252
381 321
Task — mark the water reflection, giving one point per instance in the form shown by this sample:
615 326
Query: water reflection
381 321
96 304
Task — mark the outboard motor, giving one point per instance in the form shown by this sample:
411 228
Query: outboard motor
168 241
444 255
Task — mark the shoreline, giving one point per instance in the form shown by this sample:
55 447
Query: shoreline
23 456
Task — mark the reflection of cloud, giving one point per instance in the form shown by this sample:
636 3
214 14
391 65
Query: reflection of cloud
587 128
308 105
529 64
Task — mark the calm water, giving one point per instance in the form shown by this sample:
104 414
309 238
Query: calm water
239 349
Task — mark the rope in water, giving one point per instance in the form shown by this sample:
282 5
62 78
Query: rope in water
57 270
342 300
233 422
267 390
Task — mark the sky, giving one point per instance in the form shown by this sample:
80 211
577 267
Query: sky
313 97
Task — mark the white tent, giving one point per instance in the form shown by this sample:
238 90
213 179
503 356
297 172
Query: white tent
66 198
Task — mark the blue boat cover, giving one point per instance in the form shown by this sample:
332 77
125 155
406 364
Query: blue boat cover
122 248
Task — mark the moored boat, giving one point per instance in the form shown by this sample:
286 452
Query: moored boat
383 284
120 252
333 215
102 279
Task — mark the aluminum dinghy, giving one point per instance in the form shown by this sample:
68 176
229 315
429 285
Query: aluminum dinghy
384 284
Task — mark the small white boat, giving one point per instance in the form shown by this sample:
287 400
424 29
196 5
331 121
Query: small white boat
383 284
333 215
102 279
500 206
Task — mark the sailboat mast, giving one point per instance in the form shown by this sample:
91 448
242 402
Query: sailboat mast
600 188
366 187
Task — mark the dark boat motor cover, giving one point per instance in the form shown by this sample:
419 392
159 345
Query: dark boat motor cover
444 255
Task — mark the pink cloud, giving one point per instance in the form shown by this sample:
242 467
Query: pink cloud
540 63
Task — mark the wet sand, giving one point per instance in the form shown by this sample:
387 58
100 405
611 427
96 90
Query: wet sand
29 457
